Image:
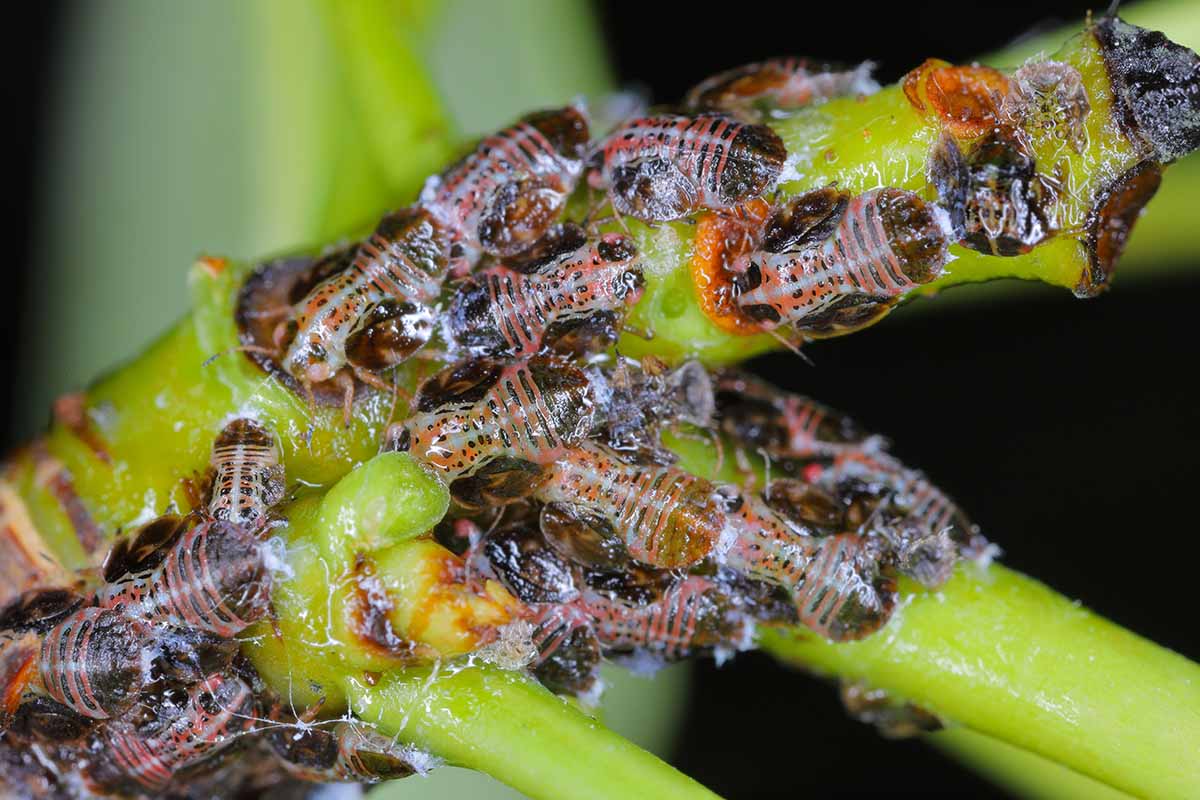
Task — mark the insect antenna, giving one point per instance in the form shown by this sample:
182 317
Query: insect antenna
242 348
589 223
766 457
794 348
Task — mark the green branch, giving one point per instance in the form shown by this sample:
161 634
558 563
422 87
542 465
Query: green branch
1020 771
510 727
1005 656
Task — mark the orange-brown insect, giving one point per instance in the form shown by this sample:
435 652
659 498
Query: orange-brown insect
755 91
829 261
665 517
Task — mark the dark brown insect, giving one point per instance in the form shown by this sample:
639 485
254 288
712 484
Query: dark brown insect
144 547
923 503
350 752
892 718
572 665
96 662
1155 88
1110 222
667 167
524 564
247 475
755 91
504 195
214 578
997 201
758 416
572 304
214 714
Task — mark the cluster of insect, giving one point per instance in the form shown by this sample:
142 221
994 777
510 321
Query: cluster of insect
132 688
564 491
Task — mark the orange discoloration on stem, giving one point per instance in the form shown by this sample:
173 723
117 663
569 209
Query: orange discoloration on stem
720 239
18 668
434 604
965 99
213 265
50 474
27 561
70 411
368 611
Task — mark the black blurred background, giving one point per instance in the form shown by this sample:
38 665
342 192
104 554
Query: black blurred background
1063 427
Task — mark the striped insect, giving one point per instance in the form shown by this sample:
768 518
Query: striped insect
572 303
666 167
504 195
765 88
926 505
692 615
96 662
247 475
214 578
351 752
216 712
664 516
837 583
491 427
373 312
829 261
783 425
27 711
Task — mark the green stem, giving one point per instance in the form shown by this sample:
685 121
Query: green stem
1006 656
507 725
1021 772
